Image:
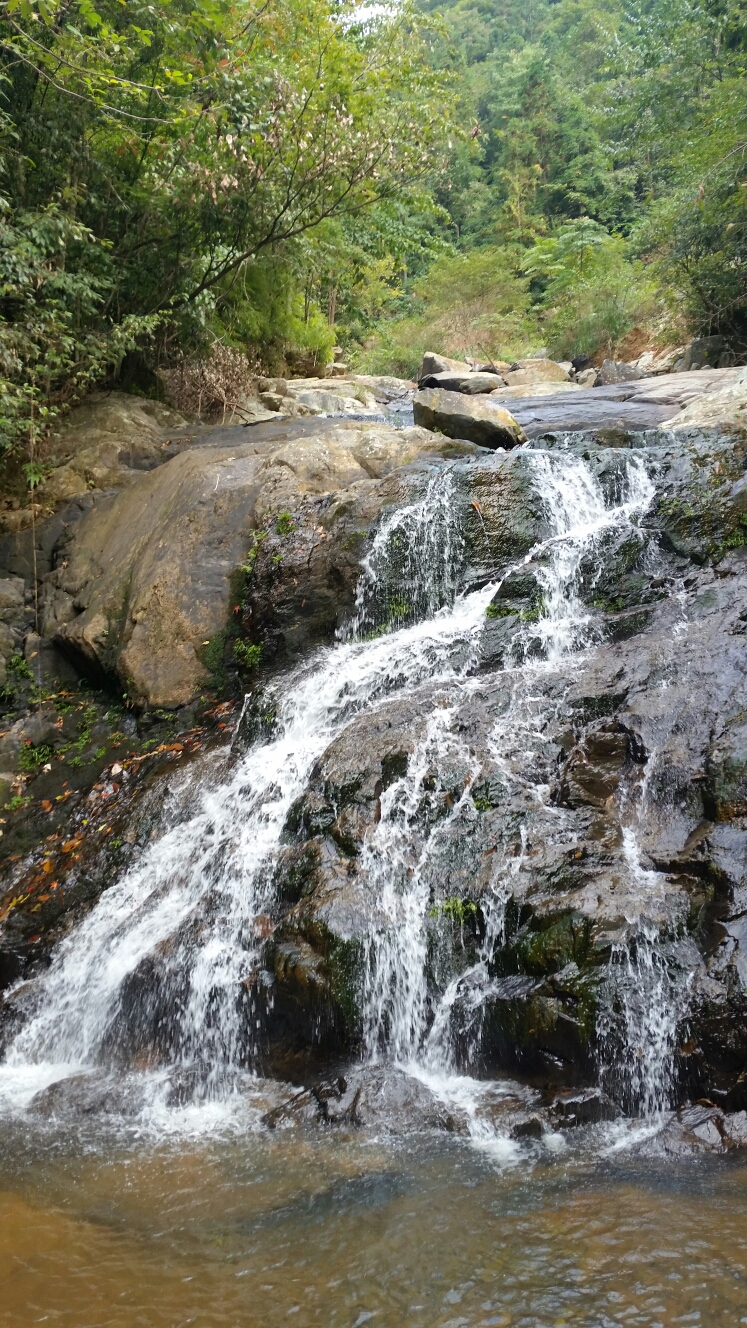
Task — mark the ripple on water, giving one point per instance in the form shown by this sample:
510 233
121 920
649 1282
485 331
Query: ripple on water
338 1228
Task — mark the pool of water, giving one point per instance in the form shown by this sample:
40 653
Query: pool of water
226 1222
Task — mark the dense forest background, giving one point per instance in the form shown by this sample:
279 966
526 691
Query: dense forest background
600 200
191 179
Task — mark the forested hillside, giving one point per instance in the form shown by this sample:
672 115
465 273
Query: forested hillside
184 173
270 178
603 182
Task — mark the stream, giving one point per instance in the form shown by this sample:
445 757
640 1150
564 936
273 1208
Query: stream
173 1186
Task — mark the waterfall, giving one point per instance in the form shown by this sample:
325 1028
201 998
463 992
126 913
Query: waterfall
190 905
412 568
397 1010
642 1003
191 901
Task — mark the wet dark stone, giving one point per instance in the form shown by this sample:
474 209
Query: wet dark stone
586 1108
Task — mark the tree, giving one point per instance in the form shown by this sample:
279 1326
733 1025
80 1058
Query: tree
179 143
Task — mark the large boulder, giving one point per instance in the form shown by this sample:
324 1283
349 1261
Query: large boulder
473 384
724 406
705 353
432 363
479 419
616 371
143 586
526 372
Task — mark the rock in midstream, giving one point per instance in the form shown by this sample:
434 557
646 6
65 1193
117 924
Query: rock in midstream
458 415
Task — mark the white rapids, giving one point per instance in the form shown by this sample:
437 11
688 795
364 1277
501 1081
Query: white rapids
192 899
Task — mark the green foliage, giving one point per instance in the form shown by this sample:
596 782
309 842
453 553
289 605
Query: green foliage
284 523
247 655
459 911
171 172
17 802
606 162
470 303
31 759
593 292
211 656
19 667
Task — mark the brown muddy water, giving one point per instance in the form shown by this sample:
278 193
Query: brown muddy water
314 1226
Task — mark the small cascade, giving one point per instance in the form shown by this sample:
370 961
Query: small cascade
412 568
396 860
188 907
638 1024
642 1004
469 988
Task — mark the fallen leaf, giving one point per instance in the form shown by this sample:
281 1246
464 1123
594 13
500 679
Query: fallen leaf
46 805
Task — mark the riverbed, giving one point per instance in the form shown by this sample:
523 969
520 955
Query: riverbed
222 1221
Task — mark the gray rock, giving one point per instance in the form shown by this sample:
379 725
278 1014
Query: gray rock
525 372
616 371
587 377
107 442
149 572
12 591
585 1108
703 353
472 384
576 887
477 419
434 364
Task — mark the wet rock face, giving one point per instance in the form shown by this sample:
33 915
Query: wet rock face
305 565
641 735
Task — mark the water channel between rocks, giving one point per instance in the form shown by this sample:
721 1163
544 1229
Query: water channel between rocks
150 1175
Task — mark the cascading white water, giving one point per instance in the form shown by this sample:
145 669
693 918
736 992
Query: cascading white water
412 568
191 902
642 1004
397 1009
215 869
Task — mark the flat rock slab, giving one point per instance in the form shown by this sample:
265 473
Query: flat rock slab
643 404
